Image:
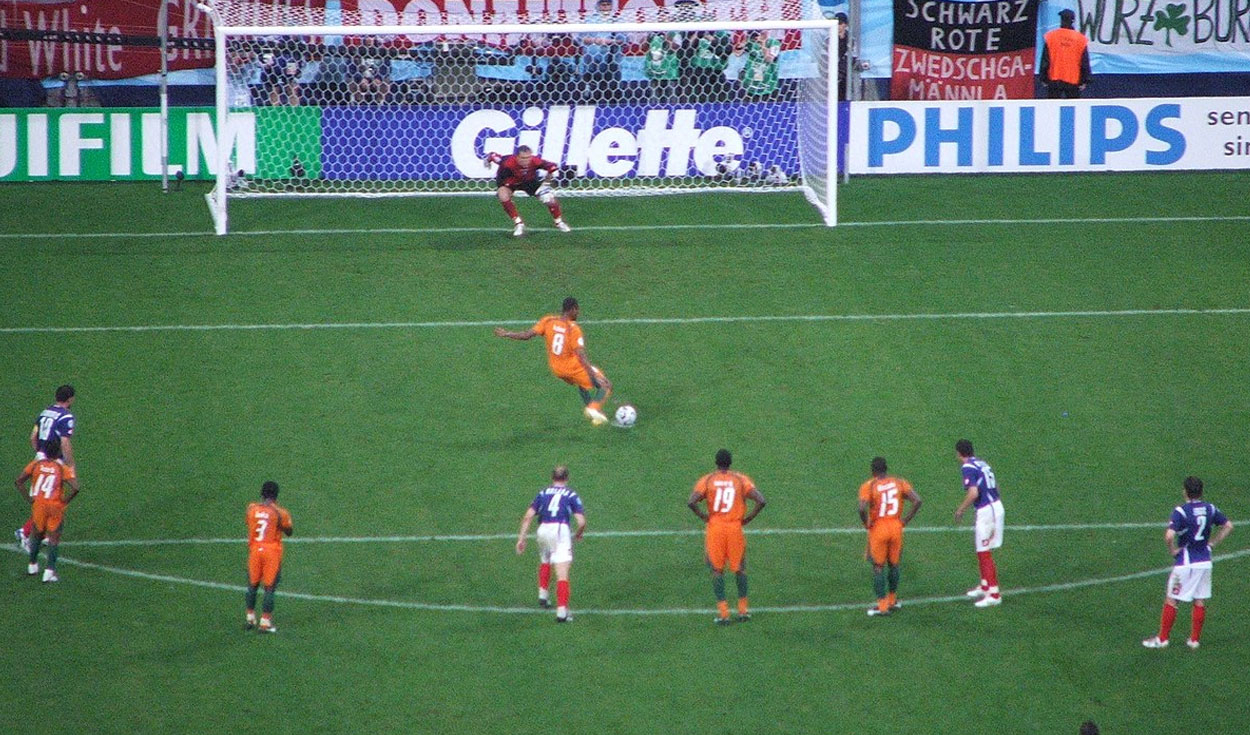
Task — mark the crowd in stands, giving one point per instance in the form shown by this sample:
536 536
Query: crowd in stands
602 67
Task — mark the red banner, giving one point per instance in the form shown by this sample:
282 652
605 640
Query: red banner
963 49
138 18
930 75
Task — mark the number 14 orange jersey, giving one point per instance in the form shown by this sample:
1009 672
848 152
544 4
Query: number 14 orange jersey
884 496
265 523
725 493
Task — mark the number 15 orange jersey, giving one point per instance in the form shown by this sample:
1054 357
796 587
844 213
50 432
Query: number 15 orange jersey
725 493
564 338
884 496
265 523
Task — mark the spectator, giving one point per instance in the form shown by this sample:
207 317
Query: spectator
661 67
280 67
844 54
1065 59
760 77
601 53
1089 728
239 70
705 54
372 81
560 76
335 76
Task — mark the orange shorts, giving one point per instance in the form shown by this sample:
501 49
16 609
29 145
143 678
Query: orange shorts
264 564
577 377
885 542
47 516
725 544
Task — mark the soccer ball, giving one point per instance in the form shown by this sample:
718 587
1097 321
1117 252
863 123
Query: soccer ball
626 415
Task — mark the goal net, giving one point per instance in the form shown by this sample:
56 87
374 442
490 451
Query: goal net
368 98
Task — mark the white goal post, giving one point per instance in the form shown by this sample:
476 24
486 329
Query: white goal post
659 97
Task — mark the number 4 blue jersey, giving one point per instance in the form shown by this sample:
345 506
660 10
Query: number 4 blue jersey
1192 523
557 504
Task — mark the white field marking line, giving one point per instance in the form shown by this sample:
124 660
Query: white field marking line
1230 311
836 607
626 228
597 534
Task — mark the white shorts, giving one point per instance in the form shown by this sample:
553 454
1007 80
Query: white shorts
1190 582
555 543
988 529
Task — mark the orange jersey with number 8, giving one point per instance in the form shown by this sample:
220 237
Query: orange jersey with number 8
564 338
725 493
884 496
265 523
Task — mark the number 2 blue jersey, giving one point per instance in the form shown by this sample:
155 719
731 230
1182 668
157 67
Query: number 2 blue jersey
556 504
55 422
1192 523
979 475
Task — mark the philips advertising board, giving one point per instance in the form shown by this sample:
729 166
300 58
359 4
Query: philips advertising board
1049 136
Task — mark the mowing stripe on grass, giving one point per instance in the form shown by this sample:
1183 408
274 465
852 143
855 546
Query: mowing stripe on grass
835 607
628 228
1228 311
598 534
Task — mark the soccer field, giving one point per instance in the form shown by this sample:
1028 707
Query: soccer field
1087 333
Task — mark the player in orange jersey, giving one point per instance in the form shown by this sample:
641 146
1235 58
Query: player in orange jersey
880 509
267 522
48 497
725 493
566 356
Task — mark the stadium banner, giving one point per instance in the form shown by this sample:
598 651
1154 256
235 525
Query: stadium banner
955 50
84 144
1201 133
607 141
43 59
1166 36
618 141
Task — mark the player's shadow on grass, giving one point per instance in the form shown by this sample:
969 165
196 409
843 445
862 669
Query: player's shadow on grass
505 440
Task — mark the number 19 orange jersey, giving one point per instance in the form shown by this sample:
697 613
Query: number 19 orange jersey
564 337
725 493
265 523
884 496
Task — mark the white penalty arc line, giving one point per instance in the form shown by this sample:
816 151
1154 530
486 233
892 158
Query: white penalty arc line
842 531
628 228
477 324
412 605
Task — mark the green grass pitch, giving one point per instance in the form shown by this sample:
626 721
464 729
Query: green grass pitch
432 427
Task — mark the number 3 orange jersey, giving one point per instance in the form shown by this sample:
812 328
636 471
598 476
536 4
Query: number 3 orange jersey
884 496
725 493
265 523
564 337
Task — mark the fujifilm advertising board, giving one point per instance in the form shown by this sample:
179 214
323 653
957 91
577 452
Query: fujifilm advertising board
1050 136
83 144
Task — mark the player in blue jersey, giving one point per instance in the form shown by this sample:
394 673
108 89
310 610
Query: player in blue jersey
1190 539
555 507
982 493
54 423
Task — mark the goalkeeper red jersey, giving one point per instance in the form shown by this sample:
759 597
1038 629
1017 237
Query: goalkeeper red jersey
512 175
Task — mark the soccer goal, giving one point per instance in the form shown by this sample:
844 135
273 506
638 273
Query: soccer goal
356 99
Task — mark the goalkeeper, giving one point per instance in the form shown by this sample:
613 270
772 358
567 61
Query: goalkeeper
521 172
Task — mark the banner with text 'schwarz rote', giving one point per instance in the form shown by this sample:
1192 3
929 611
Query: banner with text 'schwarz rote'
951 50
